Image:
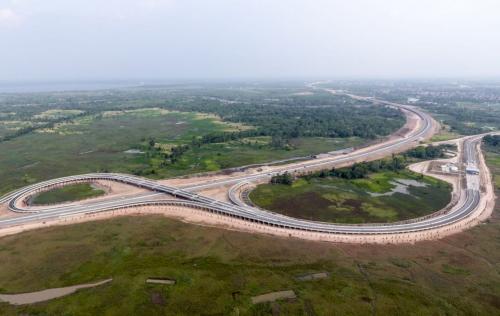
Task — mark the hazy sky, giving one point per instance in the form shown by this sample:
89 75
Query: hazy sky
128 39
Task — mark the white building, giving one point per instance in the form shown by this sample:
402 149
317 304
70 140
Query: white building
449 168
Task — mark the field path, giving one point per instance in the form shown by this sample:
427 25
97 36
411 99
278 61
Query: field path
45 295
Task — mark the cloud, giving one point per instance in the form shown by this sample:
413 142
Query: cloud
9 18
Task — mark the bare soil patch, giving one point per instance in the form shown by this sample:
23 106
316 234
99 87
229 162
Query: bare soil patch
45 295
271 297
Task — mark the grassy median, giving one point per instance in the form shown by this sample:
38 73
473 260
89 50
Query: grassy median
72 192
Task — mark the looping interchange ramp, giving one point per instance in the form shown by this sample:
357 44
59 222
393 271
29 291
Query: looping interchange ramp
239 216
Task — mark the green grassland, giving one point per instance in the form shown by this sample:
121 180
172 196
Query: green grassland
213 157
98 143
458 275
92 143
493 159
444 134
72 192
352 201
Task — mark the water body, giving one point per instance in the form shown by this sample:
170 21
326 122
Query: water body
400 186
51 86
89 85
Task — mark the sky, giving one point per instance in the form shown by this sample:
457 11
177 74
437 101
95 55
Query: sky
237 39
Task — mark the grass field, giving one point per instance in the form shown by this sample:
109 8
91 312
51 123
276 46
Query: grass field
92 144
99 143
444 135
455 276
493 159
445 132
214 157
72 192
458 275
378 198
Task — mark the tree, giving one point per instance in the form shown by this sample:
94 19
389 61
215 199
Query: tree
285 178
151 142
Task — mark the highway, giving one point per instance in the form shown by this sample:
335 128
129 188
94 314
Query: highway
387 148
187 196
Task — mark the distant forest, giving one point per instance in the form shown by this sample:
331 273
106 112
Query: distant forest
291 121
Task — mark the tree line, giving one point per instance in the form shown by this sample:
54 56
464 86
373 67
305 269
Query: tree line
363 169
50 124
427 152
492 140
